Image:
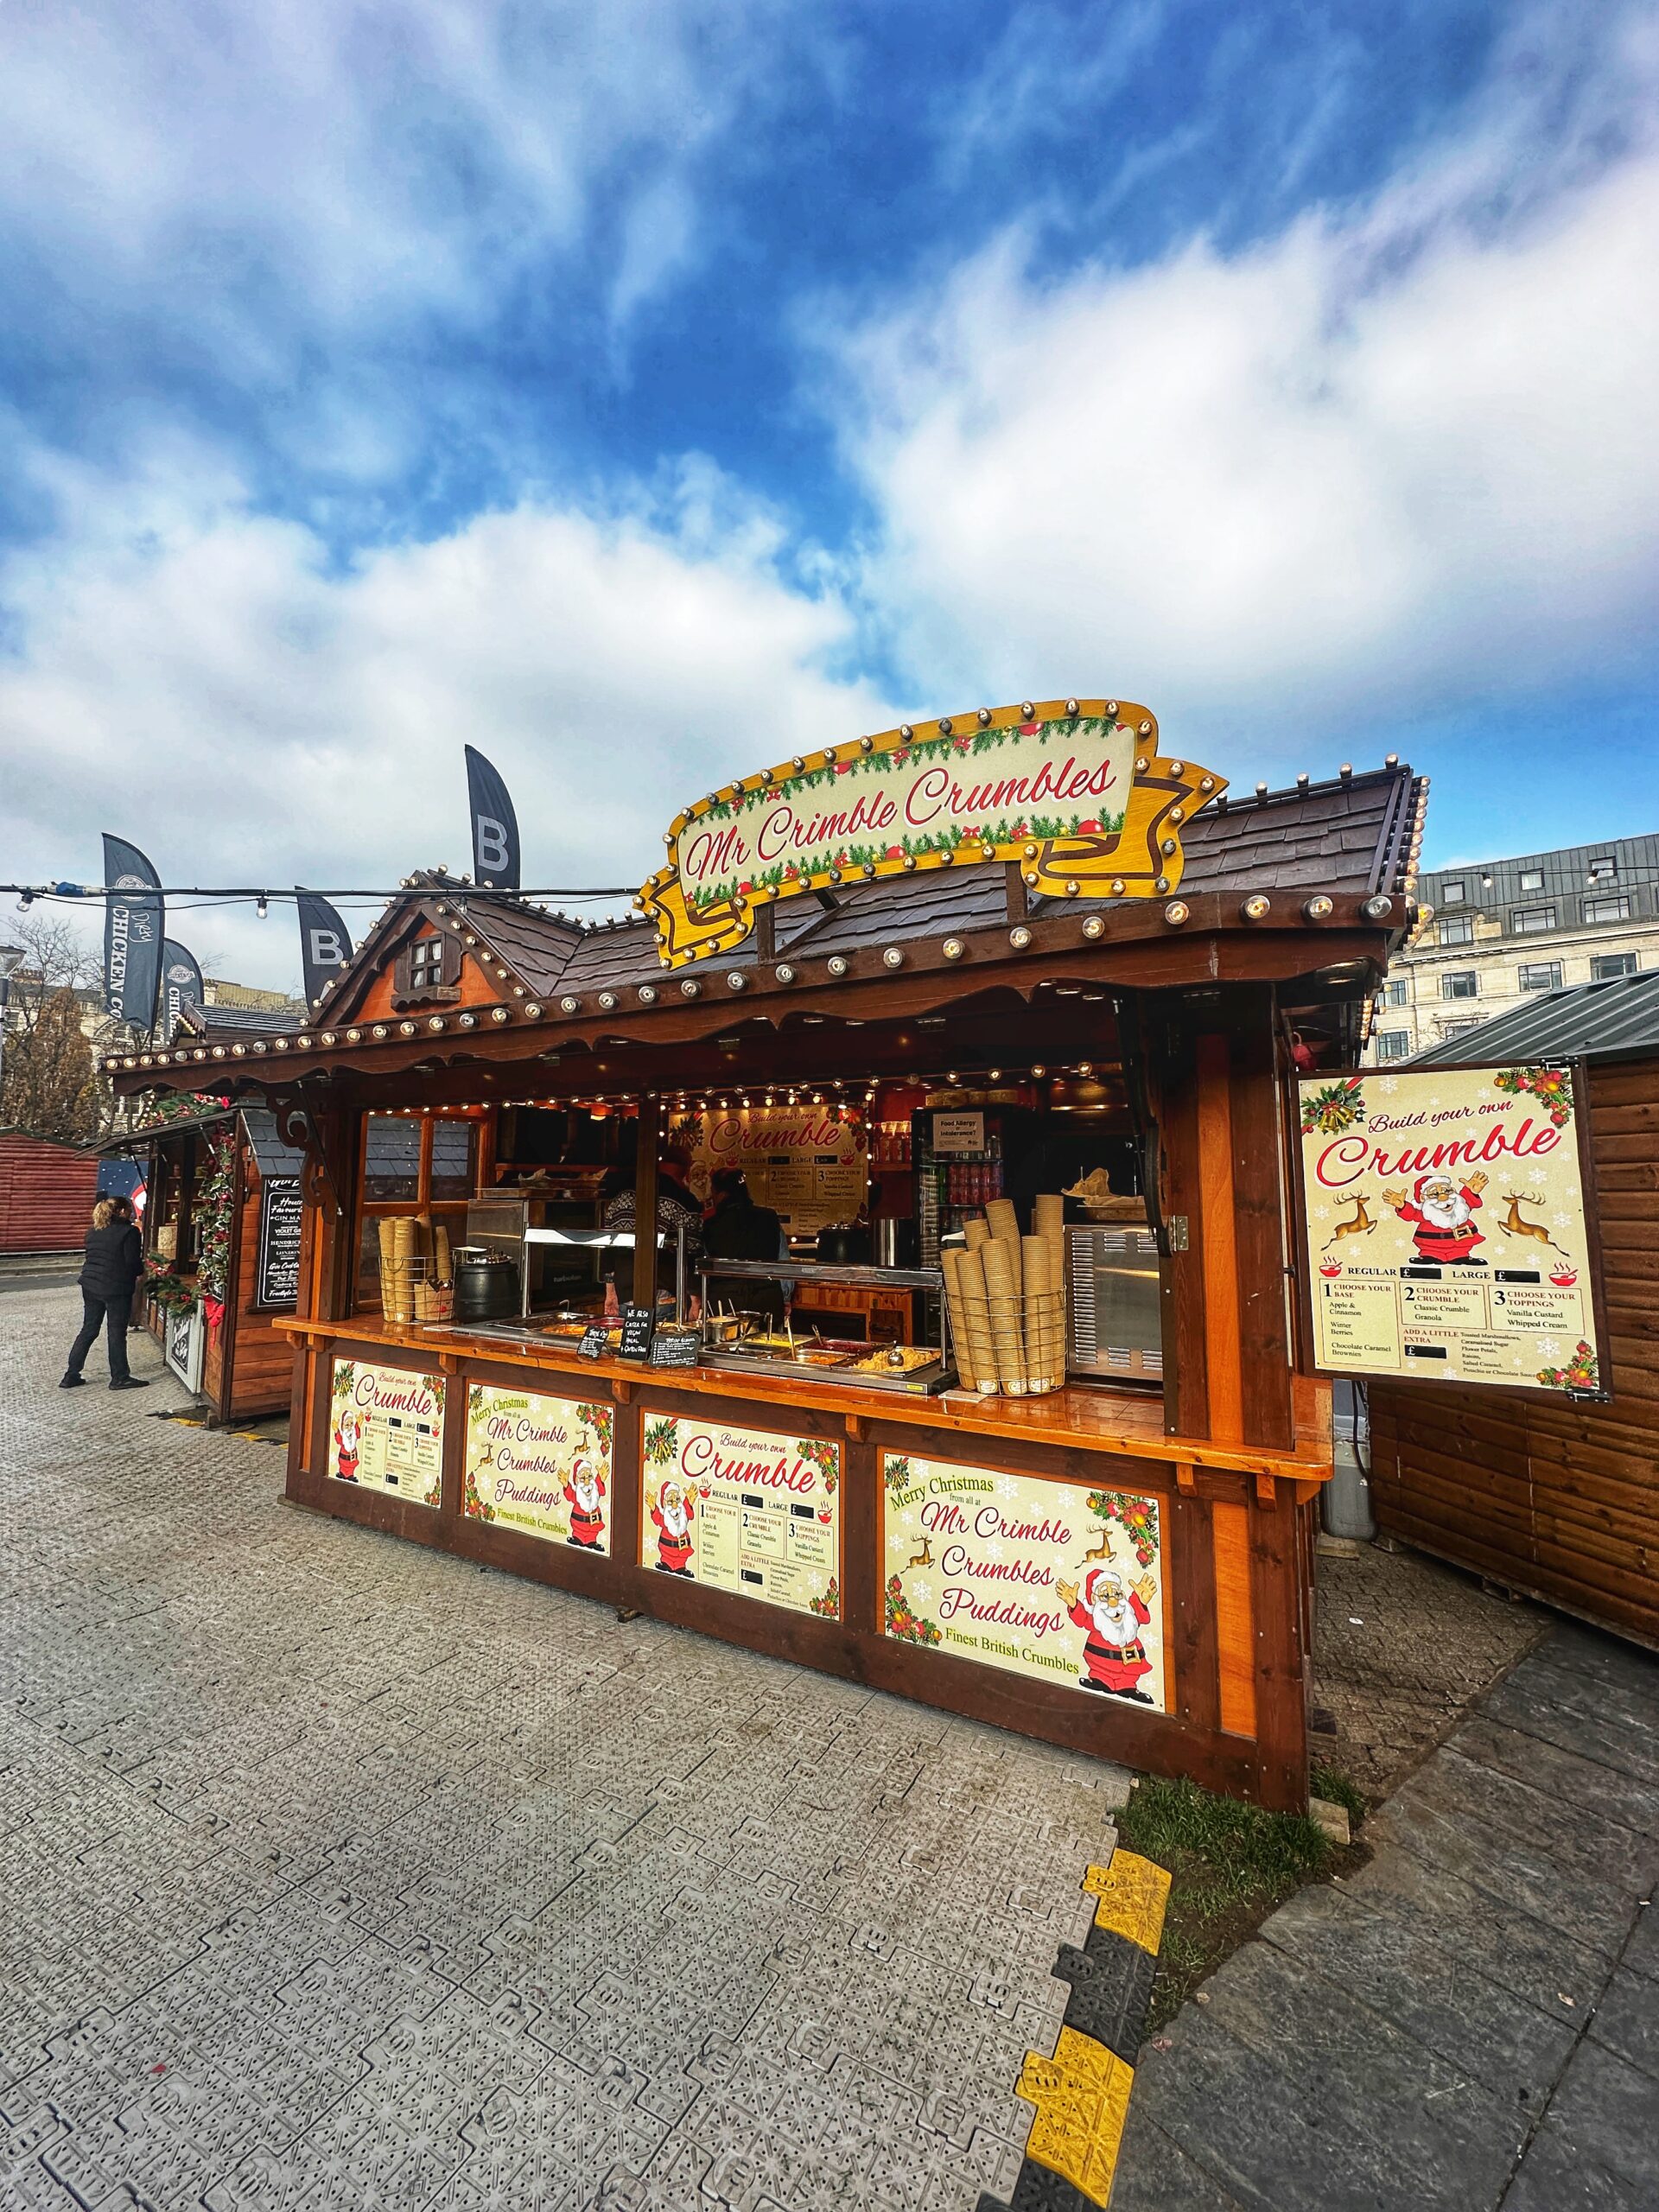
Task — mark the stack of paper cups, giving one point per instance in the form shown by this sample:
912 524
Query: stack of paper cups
977 1318
951 1259
1049 1221
1001 1259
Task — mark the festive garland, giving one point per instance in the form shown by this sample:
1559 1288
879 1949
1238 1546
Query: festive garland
1551 1087
829 1604
169 1293
1333 1109
1580 1373
1137 1517
910 1627
215 1203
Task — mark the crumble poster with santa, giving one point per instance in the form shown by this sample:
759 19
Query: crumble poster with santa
1444 1225
744 1510
540 1465
1050 1579
385 1430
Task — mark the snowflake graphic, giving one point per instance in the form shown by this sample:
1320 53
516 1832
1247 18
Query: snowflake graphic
994 1550
1006 1486
1563 1219
1548 1345
1434 1101
921 1592
1390 1084
1321 1213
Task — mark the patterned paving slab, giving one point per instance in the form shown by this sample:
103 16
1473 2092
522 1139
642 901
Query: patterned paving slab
338 1872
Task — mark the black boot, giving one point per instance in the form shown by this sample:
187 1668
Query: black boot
130 1383
72 1382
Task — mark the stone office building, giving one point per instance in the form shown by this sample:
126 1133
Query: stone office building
1501 930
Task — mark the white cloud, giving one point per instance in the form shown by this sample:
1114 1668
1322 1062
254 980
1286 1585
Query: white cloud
1396 457
193 674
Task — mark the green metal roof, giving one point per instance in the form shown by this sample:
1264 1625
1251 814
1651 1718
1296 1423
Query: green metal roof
1617 1019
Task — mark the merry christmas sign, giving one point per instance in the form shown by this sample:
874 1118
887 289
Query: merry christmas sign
385 1430
1049 1580
752 1511
1444 1228
540 1465
1075 790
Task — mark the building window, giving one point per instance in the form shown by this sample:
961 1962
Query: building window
1605 965
1460 930
1463 985
1532 921
427 969
1393 1044
1532 879
1603 868
1394 990
1541 974
1452 894
1456 1028
1607 910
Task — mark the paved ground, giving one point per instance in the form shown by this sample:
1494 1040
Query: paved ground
339 1874
1472 2021
1403 1646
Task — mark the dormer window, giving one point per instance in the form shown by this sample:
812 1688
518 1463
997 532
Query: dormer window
428 971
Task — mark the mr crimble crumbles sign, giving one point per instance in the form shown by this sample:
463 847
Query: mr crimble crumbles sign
1444 1221
1074 790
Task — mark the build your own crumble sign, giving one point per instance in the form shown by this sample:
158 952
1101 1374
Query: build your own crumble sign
744 1510
1075 790
1045 1578
1444 1228
387 1430
807 1163
540 1465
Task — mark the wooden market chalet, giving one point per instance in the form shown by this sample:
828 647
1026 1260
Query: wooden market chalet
484 1062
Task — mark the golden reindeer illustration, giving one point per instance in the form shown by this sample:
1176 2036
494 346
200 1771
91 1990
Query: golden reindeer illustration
1361 1225
1513 1225
1102 1549
923 1558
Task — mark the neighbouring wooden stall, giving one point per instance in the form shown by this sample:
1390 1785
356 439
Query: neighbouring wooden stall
46 1192
986 1035
222 1227
1556 1500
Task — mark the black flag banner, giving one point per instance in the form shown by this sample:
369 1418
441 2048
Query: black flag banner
325 944
181 985
495 826
133 925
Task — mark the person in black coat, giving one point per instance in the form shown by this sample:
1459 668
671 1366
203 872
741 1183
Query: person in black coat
115 1261
737 1229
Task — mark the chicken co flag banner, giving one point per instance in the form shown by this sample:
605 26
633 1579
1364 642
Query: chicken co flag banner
180 984
495 826
325 942
1444 1221
133 925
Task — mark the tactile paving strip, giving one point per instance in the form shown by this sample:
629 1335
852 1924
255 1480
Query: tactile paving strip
1082 2093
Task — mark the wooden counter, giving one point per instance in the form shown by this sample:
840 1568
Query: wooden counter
1080 1419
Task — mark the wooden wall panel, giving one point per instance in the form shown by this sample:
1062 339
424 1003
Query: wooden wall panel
1234 1620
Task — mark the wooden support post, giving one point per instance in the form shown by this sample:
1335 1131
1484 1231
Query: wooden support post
644 1203
1014 877
765 930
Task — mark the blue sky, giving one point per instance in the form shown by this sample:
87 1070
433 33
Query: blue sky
641 392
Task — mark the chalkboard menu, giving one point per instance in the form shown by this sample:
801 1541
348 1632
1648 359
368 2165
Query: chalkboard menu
639 1326
677 1348
277 1278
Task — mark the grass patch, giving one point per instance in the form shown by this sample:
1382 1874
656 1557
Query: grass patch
1230 1864
1330 1783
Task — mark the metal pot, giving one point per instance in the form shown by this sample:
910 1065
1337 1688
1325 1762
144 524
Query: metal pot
487 1285
843 1245
896 1243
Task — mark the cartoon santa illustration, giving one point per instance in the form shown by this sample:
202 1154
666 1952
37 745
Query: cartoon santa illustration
1442 1218
584 1494
348 1445
673 1514
1112 1616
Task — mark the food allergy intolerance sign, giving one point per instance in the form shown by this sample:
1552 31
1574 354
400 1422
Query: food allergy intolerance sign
1443 1218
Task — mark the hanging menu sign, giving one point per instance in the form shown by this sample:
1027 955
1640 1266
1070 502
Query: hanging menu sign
744 1510
1074 790
1050 1579
540 1465
387 1430
808 1163
1444 1228
276 1274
